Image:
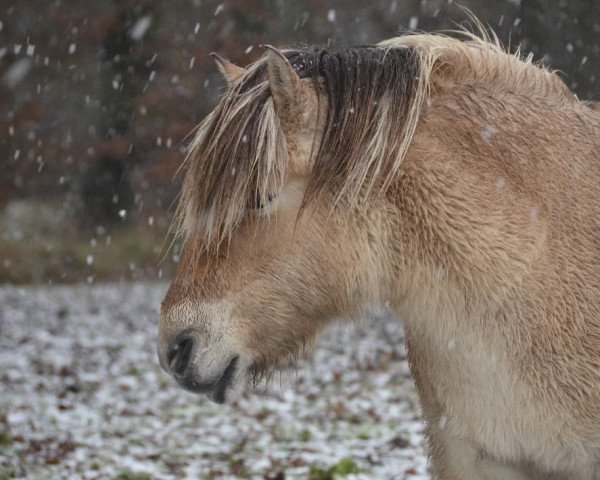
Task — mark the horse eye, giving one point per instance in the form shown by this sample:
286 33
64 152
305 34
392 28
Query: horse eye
260 203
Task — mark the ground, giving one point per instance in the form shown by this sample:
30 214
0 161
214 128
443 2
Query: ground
83 396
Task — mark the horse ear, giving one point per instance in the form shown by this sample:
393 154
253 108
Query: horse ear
286 86
230 71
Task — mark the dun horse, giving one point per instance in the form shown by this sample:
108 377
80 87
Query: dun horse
456 182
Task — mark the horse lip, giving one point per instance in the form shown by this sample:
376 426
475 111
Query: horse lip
190 383
217 394
215 390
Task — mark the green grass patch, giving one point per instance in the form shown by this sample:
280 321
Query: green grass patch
6 440
130 475
344 467
7 473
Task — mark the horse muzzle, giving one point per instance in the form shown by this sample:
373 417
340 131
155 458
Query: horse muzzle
198 371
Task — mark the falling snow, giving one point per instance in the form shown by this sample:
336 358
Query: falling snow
442 422
500 183
534 213
488 133
140 27
17 72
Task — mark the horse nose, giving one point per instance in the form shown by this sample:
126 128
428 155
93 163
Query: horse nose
179 356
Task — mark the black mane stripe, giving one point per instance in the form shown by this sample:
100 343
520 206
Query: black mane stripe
369 93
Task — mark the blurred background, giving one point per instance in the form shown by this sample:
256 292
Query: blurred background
98 100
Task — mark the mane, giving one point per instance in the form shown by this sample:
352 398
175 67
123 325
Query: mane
374 96
479 59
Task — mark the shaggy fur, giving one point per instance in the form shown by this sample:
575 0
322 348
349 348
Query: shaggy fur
447 178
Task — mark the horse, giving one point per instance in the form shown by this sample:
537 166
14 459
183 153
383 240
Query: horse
443 176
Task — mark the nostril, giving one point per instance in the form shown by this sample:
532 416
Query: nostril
179 356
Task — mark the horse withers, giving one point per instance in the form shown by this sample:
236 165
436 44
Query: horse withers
447 178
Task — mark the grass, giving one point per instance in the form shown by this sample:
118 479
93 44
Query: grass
7 473
130 475
6 440
132 251
344 467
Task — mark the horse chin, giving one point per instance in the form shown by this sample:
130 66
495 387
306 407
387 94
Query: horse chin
245 376
231 385
233 391
261 371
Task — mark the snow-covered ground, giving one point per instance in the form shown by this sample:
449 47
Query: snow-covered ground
82 396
